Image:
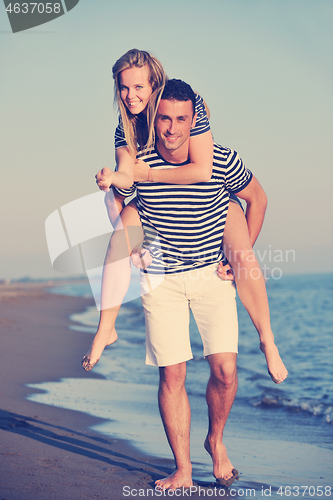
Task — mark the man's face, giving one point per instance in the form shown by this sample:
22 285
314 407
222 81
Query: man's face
173 123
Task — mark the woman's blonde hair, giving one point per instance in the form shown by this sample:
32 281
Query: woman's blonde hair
135 131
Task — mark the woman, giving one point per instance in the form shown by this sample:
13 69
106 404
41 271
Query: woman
139 80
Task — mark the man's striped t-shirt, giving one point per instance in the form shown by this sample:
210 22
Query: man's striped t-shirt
201 124
189 220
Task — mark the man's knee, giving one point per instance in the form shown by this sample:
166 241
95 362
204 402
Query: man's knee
223 368
173 377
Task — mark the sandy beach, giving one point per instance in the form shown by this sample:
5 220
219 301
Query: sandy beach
49 452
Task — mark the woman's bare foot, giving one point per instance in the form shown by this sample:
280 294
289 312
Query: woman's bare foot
276 368
178 479
222 467
101 340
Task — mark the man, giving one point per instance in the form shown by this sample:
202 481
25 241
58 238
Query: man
189 221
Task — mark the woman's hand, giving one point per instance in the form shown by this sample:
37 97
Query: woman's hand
225 272
104 179
141 258
141 171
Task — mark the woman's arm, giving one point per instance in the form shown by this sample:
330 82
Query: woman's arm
123 178
199 170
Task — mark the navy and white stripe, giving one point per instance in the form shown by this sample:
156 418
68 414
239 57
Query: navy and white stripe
201 126
189 220
202 122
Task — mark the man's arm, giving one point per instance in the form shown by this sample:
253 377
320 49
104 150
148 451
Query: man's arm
256 201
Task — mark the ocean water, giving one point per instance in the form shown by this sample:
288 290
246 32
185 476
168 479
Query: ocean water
265 417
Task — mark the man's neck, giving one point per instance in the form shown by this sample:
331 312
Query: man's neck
173 156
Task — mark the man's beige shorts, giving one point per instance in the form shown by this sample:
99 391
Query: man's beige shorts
167 312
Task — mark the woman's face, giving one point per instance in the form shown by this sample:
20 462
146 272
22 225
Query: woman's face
135 88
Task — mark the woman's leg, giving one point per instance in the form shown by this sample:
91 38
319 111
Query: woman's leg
115 282
251 287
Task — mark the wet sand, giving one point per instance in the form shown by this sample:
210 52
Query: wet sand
49 452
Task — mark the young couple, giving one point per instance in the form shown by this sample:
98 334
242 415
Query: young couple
184 186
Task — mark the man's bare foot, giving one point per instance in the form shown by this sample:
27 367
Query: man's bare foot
178 479
222 467
276 368
101 340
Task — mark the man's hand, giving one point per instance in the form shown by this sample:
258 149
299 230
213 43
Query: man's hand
225 272
141 258
141 171
104 179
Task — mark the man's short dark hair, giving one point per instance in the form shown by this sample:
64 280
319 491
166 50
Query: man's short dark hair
179 91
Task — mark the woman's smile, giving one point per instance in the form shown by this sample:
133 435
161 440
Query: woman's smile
135 88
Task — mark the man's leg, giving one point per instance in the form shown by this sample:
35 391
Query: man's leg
220 395
176 416
213 303
168 347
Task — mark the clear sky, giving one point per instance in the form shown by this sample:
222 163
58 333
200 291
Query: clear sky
263 66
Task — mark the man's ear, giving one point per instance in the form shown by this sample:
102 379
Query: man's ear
194 120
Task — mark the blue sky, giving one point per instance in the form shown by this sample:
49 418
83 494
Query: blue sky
264 68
